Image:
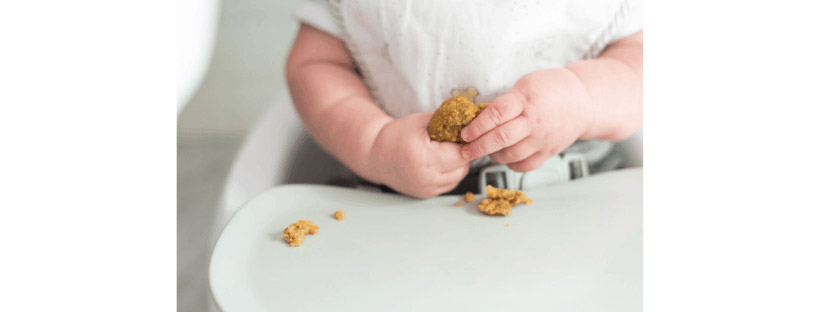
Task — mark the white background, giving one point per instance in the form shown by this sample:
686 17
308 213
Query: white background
87 170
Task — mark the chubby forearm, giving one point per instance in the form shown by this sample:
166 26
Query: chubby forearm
332 100
613 83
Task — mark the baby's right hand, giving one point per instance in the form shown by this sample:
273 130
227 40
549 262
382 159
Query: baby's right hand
404 158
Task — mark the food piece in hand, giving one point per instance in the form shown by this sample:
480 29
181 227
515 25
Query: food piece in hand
294 234
482 107
500 201
469 196
450 118
453 115
495 207
339 215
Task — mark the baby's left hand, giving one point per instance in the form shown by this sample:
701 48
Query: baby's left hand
543 113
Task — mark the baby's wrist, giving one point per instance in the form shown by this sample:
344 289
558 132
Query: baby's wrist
370 164
587 112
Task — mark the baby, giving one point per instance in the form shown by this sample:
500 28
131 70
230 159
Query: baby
365 77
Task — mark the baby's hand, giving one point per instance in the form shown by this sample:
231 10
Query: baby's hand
404 158
539 117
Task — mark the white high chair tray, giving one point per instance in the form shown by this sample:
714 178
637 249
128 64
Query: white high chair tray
578 247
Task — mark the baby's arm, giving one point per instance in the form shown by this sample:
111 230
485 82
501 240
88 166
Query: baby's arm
614 84
546 111
342 117
332 100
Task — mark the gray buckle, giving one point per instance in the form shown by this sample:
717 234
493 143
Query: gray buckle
503 176
557 169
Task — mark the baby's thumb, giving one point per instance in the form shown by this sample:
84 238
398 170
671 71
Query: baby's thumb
420 121
423 118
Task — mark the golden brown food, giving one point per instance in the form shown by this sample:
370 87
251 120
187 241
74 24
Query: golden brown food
294 234
500 201
339 215
482 107
512 196
450 118
454 114
469 196
495 207
458 203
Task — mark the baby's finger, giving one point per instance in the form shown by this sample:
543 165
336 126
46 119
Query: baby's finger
420 122
500 111
447 156
506 135
531 163
454 176
517 152
448 181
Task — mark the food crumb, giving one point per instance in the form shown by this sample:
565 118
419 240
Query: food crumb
469 196
501 201
339 215
507 225
294 234
458 203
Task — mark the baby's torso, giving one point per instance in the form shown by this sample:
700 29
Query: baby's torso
414 53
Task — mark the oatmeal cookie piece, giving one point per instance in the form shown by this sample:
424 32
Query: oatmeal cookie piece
500 201
469 196
482 107
294 234
448 120
339 215
513 196
495 207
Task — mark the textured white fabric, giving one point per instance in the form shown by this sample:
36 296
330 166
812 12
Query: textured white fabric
414 53
317 13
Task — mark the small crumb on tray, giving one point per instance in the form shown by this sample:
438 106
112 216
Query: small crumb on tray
294 234
458 203
339 215
469 196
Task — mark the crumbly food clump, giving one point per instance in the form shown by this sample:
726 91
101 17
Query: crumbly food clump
469 196
495 207
453 115
339 215
513 196
294 234
448 120
500 201
458 203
